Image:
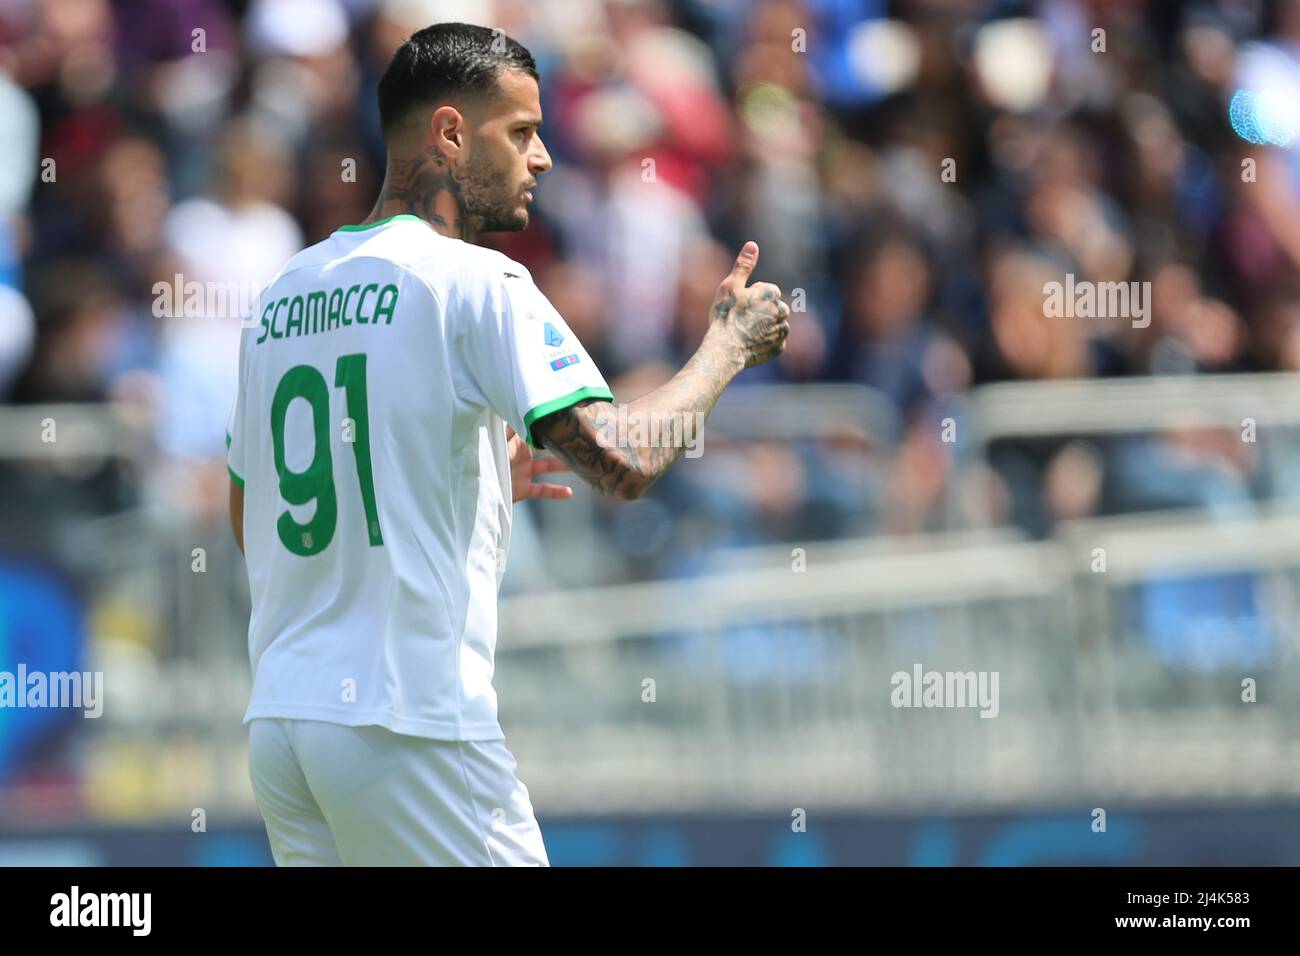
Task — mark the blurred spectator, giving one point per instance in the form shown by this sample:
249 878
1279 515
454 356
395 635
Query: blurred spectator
17 335
237 240
915 173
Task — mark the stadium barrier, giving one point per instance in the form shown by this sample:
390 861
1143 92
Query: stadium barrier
771 680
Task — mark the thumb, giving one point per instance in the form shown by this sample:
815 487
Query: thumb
744 266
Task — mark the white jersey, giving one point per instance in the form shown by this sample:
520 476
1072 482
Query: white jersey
368 433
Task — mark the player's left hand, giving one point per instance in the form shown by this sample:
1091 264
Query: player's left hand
524 468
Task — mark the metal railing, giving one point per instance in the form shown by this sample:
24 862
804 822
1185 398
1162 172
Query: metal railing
1265 406
772 687
767 682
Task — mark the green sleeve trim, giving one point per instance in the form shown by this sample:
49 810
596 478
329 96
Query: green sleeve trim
564 401
372 225
233 477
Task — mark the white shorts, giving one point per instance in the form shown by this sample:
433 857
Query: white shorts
365 796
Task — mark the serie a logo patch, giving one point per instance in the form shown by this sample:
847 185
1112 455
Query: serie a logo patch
553 336
560 363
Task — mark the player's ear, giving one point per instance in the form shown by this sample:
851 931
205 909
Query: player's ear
447 129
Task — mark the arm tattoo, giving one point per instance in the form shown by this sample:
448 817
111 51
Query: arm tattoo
575 435
585 436
751 324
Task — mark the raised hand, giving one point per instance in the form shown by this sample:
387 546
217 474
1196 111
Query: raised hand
753 317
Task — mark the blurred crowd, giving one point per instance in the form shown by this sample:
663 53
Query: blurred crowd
915 173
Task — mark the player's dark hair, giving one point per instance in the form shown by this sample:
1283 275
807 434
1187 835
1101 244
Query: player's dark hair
443 60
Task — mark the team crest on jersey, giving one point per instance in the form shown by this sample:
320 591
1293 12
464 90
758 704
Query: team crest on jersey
567 360
553 337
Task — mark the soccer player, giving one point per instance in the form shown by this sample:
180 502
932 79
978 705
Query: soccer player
392 379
